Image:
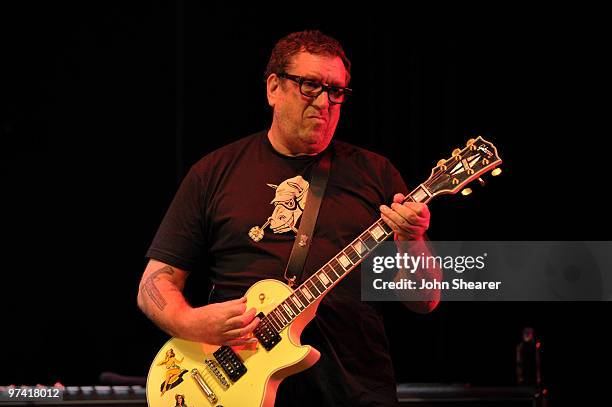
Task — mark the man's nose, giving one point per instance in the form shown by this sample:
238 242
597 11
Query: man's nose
322 101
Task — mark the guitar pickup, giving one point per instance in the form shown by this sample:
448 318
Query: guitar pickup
230 362
265 333
213 369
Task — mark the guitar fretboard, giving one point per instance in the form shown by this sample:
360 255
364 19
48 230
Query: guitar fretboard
321 282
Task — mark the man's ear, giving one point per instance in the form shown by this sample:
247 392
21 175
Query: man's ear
272 89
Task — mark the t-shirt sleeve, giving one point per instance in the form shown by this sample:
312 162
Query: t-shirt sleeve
180 240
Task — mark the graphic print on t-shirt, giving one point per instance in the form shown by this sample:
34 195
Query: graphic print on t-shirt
289 202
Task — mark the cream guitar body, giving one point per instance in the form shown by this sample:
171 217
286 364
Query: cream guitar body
187 374
197 374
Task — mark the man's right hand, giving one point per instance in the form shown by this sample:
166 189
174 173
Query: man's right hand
161 298
223 323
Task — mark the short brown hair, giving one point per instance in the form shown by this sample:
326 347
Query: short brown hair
314 42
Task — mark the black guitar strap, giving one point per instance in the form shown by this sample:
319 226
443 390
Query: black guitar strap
316 190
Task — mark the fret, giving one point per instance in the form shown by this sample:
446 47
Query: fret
297 303
288 310
318 283
276 318
377 232
326 281
312 288
368 240
293 307
385 227
412 196
280 316
420 194
352 254
301 294
273 321
285 313
344 261
280 313
337 267
277 322
331 273
307 293
360 247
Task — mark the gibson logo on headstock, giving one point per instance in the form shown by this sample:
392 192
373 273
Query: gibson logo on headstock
484 148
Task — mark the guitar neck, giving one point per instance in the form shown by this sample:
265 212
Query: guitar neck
447 177
321 282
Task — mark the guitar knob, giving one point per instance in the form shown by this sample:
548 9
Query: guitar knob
471 144
496 172
466 191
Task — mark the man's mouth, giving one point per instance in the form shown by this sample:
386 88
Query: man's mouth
321 118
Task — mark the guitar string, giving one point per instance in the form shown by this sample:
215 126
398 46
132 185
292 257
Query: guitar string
322 269
427 183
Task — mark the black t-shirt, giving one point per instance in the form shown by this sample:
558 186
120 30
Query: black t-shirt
245 183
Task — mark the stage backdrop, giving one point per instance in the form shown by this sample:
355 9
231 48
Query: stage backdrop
105 107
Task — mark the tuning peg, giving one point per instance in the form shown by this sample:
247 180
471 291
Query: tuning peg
496 172
481 182
441 163
470 144
456 152
466 191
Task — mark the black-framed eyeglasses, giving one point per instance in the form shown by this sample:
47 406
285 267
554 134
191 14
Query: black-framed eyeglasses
313 89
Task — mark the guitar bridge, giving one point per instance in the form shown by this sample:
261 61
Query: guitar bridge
213 369
208 392
266 334
230 362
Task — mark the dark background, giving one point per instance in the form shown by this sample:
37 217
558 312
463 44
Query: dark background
105 107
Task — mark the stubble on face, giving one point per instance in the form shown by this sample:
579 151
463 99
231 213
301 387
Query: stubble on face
303 125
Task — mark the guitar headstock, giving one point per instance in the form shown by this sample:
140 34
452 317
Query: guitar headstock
464 166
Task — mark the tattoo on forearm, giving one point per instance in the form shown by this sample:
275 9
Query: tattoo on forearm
151 289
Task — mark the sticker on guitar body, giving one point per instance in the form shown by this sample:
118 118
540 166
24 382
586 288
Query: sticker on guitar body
174 372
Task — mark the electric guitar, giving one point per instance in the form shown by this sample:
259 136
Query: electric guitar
200 374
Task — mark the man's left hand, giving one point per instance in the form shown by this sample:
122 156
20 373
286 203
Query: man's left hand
409 221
